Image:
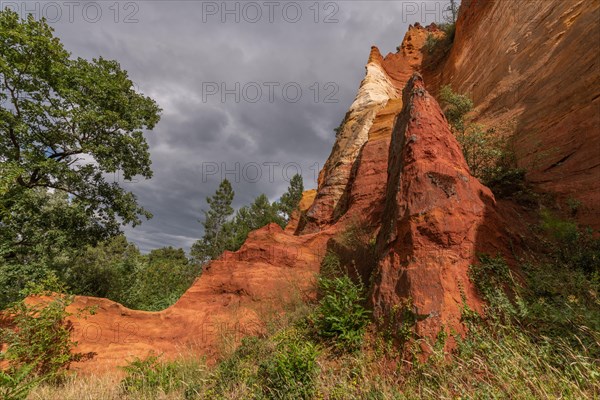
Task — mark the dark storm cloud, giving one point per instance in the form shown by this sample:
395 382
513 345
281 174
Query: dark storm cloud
171 54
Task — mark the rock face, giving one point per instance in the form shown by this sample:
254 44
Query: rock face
364 135
436 217
533 65
374 92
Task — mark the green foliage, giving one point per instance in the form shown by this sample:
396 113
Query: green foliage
456 106
238 373
493 279
115 269
340 316
431 42
105 270
291 198
339 128
402 320
449 31
573 205
65 124
559 297
40 232
330 266
437 46
161 281
16 383
56 109
215 238
486 150
41 337
575 248
248 218
151 375
38 340
221 232
290 372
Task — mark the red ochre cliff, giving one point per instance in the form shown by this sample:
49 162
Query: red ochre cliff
535 65
396 170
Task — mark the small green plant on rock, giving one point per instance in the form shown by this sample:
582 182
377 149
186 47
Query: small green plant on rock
16 383
340 316
40 334
291 370
430 43
37 343
487 151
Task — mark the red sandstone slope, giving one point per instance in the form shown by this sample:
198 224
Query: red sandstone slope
437 217
231 299
536 65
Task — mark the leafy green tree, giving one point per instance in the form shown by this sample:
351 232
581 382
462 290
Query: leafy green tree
291 199
39 334
224 233
65 123
165 276
106 270
38 235
215 238
249 218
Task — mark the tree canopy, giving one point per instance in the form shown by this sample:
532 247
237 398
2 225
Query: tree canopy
66 123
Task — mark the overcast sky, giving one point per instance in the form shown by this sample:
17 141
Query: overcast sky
230 90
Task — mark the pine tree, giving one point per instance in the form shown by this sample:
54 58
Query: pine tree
224 233
249 218
215 238
291 199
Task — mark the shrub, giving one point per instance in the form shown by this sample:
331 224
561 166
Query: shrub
449 31
37 343
575 248
105 270
456 106
40 335
430 43
161 280
237 373
558 297
16 383
487 151
436 46
151 375
493 279
290 372
340 316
